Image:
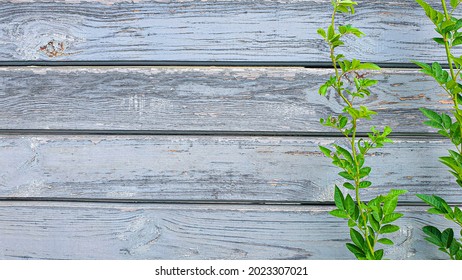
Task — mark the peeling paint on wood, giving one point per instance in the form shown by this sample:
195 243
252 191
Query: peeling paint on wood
200 98
207 168
75 169
44 230
218 30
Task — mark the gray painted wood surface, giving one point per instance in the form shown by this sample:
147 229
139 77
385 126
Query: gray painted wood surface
207 168
116 231
225 195
200 98
197 30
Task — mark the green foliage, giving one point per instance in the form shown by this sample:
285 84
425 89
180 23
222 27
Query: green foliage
367 221
377 216
447 28
445 241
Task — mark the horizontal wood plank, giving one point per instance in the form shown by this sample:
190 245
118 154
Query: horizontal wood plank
201 98
289 169
197 30
44 230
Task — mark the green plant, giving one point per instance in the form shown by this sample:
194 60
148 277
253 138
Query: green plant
367 221
447 26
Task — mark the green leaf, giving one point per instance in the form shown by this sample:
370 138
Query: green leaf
454 3
338 198
434 235
357 238
434 124
378 254
430 200
436 202
363 172
339 213
391 217
325 151
322 32
368 66
346 154
395 193
389 229
432 115
439 40
350 205
385 241
457 60
390 205
457 41
447 236
459 255
435 16
374 223
323 89
353 112
348 29
454 162
365 184
444 133
447 26
355 250
426 69
446 121
330 32
345 175
436 211
348 186
458 214
454 247
342 121
351 223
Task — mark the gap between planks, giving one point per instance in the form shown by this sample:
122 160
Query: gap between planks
281 203
121 63
308 134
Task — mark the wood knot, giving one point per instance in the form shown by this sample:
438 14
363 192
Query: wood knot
53 48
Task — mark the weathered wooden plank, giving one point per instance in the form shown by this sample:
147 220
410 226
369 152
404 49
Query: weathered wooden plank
142 231
207 168
195 98
197 30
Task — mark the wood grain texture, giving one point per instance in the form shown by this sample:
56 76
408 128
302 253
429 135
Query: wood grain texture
197 30
133 231
208 168
195 98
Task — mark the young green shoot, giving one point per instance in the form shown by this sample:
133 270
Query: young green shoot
367 221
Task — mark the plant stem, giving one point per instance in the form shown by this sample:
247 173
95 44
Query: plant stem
357 181
446 43
447 47
332 54
353 138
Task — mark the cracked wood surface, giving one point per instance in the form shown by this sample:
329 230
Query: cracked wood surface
208 168
50 230
201 98
246 30
193 173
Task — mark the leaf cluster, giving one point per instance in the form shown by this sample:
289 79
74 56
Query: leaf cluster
441 207
353 165
446 80
445 240
446 127
366 221
447 26
378 216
